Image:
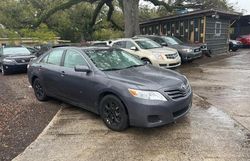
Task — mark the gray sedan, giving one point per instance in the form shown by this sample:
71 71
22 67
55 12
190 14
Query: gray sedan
113 84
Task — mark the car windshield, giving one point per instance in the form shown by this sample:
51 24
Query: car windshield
147 44
113 59
16 51
173 41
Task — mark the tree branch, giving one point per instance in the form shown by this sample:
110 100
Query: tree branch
161 3
97 11
63 6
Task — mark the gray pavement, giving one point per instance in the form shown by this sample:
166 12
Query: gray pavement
216 129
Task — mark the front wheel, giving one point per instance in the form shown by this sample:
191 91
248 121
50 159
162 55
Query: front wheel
114 113
3 71
39 90
146 61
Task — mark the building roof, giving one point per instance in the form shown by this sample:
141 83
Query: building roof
230 15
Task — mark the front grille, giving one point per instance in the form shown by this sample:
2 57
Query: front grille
22 60
197 50
177 93
172 56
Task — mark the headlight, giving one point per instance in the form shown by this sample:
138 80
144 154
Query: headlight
187 50
148 95
8 60
159 56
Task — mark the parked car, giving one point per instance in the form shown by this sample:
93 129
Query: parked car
13 59
203 46
33 50
112 83
150 52
245 40
46 47
187 52
234 45
101 43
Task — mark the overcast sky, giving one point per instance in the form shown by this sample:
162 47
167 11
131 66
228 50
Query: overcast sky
241 4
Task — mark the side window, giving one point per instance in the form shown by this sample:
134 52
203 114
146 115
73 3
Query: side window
73 58
129 44
55 57
44 59
120 44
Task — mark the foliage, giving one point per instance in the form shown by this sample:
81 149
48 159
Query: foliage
42 33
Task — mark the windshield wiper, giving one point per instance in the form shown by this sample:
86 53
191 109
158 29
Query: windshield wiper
134 66
111 69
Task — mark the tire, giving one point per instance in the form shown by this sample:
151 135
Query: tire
113 113
39 90
234 49
147 61
3 71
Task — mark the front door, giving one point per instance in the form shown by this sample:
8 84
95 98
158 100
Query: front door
76 86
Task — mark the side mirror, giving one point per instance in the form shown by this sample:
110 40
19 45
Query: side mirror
82 68
134 48
164 44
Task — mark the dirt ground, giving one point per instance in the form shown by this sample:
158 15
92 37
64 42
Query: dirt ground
216 129
22 117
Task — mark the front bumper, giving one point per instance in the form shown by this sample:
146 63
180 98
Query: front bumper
191 56
14 67
145 113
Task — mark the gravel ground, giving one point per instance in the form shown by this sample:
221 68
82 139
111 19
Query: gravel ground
22 117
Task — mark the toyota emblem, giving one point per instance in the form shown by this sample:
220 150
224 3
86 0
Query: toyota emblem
23 61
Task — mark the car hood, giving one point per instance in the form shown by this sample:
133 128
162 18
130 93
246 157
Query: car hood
163 50
19 56
148 77
185 46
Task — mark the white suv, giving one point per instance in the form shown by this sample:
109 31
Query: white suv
150 51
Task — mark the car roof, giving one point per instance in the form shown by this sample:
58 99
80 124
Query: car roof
129 39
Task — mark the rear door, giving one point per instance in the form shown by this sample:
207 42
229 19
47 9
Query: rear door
49 71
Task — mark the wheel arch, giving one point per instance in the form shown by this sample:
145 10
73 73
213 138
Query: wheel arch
105 93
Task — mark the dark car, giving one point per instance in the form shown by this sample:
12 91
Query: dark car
113 84
234 45
13 59
187 52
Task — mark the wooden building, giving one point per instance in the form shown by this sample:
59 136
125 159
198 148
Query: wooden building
202 26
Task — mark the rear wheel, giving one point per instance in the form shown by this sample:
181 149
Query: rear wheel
114 113
39 90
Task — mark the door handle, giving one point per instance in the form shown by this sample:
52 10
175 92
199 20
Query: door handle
62 74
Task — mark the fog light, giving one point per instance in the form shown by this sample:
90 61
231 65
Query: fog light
154 118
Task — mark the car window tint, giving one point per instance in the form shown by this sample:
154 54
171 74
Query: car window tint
120 44
55 57
129 45
73 58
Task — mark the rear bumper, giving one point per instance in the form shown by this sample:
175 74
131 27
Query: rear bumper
144 113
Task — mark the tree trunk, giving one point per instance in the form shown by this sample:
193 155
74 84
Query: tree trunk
131 17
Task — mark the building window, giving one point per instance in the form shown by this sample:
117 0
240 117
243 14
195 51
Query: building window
217 28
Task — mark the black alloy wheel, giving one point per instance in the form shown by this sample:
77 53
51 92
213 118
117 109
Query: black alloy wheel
114 113
39 90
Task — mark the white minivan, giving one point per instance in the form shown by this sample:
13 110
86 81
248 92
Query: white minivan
150 51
